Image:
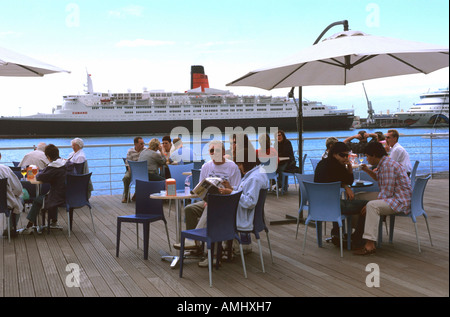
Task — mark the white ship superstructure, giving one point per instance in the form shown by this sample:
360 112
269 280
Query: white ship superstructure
132 113
431 110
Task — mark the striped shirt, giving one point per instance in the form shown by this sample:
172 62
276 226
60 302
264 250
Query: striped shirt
395 185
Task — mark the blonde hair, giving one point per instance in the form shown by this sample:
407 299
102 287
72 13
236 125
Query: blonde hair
154 144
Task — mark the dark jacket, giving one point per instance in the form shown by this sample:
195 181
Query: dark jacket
55 175
285 150
329 170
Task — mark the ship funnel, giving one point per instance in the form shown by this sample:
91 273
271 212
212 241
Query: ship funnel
198 78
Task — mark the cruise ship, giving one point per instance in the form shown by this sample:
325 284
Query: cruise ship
431 111
107 114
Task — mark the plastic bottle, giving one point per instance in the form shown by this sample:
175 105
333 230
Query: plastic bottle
187 185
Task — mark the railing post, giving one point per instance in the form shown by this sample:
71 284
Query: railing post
431 155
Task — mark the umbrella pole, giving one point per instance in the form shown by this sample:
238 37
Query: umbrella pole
300 140
291 219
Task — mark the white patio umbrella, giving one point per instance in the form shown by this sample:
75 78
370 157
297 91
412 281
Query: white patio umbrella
343 58
18 65
348 57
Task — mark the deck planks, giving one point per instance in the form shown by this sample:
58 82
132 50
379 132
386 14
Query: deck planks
35 265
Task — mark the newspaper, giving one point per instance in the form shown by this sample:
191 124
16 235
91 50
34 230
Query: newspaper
209 185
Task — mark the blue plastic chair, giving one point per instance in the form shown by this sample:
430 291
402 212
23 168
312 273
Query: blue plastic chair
259 225
198 164
77 196
176 172
16 171
139 171
194 181
4 209
416 211
413 173
324 205
286 175
147 211
304 204
220 226
314 163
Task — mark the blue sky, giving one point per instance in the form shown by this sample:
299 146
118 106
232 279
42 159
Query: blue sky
128 45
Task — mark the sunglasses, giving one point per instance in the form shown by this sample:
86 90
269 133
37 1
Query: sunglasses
343 155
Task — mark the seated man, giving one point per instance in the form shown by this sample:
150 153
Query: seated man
36 157
398 152
132 155
394 197
55 175
337 168
217 167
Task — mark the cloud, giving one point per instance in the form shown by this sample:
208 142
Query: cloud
143 43
131 10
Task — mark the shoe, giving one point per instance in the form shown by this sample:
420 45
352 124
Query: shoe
188 245
25 231
124 201
246 249
204 263
54 225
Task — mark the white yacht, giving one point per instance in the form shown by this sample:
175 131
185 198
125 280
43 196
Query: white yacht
431 111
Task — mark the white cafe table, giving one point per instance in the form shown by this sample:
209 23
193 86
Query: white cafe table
178 198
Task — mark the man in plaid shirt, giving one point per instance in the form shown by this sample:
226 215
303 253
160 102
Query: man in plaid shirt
394 197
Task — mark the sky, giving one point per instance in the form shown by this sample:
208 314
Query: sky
132 45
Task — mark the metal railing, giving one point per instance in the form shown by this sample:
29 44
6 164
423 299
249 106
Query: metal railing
107 167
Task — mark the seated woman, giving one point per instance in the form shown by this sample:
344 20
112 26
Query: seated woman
55 175
155 159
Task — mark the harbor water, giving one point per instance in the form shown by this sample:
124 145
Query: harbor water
105 154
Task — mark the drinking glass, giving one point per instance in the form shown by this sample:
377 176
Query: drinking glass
361 159
23 171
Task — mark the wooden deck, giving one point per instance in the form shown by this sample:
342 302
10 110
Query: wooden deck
35 265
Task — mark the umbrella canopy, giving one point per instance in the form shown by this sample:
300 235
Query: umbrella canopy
348 57
18 65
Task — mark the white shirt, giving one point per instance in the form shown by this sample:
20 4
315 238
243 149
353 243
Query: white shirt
228 170
399 154
77 157
37 158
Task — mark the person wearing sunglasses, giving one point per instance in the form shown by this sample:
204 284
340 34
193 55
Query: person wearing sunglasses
218 166
337 168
